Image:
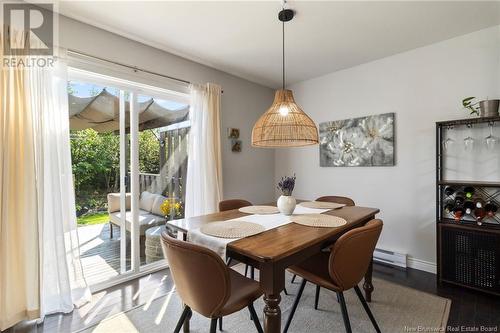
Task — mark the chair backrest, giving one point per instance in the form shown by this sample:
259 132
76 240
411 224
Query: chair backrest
201 278
351 254
114 202
341 200
233 204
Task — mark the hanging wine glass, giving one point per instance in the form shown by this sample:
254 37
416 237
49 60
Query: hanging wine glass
491 140
469 140
449 142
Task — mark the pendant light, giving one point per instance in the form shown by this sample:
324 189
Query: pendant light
284 124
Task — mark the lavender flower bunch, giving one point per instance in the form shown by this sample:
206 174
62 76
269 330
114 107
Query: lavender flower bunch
286 185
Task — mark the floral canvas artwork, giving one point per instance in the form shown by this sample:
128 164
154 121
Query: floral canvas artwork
365 141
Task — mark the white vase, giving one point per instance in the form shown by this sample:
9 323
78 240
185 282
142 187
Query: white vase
286 204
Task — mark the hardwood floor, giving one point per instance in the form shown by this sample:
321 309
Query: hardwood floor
113 300
469 308
100 254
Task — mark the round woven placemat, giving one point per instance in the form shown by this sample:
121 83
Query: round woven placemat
259 210
319 220
321 205
232 229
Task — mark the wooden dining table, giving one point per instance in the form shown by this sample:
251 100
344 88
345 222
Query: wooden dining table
272 251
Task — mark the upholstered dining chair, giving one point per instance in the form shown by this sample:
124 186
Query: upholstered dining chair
207 285
335 199
231 204
341 269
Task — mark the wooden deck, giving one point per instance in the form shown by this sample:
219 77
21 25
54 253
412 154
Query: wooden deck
99 254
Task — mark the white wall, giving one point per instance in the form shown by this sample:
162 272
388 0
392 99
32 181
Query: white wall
421 86
248 174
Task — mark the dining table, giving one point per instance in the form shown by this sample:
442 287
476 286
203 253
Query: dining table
274 250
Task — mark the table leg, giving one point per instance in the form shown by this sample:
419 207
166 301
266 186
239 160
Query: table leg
367 285
272 281
272 313
185 327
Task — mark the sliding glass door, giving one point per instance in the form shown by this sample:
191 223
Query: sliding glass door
162 161
129 150
100 155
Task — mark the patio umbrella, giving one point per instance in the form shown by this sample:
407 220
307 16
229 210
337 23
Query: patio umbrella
101 113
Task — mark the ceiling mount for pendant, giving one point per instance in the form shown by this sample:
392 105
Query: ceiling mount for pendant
286 15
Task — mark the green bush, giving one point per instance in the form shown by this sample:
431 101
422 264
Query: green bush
96 165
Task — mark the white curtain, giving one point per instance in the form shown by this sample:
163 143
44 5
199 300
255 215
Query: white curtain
40 270
19 255
204 172
62 282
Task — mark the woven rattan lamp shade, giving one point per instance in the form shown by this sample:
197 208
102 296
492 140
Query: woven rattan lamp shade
284 124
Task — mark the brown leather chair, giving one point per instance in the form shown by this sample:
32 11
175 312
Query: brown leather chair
231 204
336 199
341 200
342 268
206 285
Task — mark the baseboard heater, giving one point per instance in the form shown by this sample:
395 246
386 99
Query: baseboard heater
390 258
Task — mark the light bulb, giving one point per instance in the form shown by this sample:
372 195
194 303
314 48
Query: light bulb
284 110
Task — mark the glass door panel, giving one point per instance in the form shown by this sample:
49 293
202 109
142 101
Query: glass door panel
99 162
129 151
162 149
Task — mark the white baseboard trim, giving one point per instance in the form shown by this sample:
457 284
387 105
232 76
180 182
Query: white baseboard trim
390 257
421 265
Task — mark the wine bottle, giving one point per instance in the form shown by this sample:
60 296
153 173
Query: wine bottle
491 209
479 202
479 213
469 207
448 206
459 199
458 212
469 191
448 190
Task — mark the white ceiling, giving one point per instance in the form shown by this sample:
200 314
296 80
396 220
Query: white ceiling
244 38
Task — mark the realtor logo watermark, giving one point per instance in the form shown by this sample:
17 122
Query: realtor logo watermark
28 34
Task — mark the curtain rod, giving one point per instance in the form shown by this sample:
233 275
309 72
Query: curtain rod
134 68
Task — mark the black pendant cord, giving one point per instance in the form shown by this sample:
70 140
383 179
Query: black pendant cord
283 31
284 15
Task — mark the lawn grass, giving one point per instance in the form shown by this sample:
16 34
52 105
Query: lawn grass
96 218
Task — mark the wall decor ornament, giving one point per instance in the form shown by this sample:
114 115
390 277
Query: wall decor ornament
236 146
233 133
364 141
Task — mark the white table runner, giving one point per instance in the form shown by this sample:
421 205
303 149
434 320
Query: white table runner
269 221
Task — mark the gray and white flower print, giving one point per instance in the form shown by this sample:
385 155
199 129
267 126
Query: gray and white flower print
366 141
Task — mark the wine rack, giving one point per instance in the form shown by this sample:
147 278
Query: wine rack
488 194
470 258
468 235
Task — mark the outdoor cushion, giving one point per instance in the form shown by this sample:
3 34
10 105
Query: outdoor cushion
146 201
114 202
156 209
146 220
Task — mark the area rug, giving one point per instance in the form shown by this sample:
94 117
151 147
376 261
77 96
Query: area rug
396 308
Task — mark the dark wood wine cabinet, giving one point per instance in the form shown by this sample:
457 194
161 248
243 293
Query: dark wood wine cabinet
468 254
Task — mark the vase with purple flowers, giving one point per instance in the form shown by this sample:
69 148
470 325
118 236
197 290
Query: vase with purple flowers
286 203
